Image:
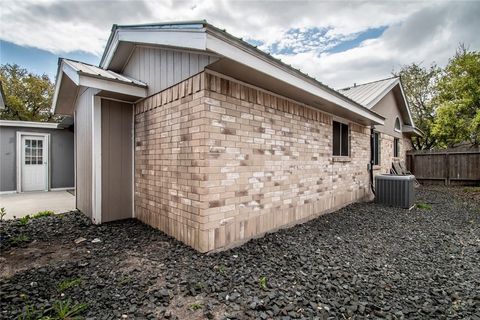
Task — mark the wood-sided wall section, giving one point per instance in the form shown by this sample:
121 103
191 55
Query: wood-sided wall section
117 136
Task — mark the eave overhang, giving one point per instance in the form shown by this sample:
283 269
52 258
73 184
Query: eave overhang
70 79
203 37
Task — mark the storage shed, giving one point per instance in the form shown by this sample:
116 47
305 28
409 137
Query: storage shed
36 156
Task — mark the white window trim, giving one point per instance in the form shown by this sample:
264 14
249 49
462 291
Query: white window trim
395 125
46 136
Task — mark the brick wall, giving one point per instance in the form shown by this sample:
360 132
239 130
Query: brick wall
386 149
224 162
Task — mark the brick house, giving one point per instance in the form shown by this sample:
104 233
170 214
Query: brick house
212 141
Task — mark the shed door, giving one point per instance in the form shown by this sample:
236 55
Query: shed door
34 163
117 135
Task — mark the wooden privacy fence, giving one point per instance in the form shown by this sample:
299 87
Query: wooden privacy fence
451 166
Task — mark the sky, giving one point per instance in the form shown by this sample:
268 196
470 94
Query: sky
337 42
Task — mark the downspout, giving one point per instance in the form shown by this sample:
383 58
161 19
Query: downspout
370 167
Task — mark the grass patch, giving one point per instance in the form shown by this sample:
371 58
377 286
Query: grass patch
262 282
69 283
24 220
471 189
124 280
60 310
195 306
423 206
67 310
20 239
40 214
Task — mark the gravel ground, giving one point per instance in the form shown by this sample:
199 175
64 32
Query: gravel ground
363 261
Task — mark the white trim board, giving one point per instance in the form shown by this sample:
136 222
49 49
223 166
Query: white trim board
97 159
62 189
29 124
8 192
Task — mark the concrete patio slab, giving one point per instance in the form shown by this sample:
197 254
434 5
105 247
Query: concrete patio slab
22 204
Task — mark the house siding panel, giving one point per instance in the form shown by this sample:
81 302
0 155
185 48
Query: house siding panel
226 162
161 68
83 145
117 190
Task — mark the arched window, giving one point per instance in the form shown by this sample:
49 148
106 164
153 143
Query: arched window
397 125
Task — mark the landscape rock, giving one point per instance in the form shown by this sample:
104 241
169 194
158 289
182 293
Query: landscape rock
363 261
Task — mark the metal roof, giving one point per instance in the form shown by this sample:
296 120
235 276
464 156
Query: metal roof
368 94
199 24
93 71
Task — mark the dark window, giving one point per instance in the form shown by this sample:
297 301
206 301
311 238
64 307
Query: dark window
376 148
396 147
340 139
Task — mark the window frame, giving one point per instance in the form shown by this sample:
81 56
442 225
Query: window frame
396 147
342 126
397 121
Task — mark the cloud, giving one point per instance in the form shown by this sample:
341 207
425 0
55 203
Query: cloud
301 33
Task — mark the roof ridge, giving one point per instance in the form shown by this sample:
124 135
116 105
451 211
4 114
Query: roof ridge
370 82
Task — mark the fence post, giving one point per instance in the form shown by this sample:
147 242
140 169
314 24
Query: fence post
447 166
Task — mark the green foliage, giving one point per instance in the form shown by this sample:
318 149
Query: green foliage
262 282
419 84
3 213
28 96
69 283
30 313
221 269
458 114
66 310
40 214
424 206
61 310
24 220
471 189
195 306
20 239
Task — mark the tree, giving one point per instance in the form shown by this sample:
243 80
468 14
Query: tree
419 84
458 114
28 96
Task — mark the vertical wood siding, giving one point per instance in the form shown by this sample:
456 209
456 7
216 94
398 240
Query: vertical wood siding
83 145
117 133
160 68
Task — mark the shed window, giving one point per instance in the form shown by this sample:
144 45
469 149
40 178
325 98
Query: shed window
397 125
340 139
396 147
376 148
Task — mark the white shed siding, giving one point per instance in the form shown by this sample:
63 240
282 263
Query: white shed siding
83 146
161 68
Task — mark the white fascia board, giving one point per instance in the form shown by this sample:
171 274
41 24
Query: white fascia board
71 73
188 39
238 54
29 124
112 86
